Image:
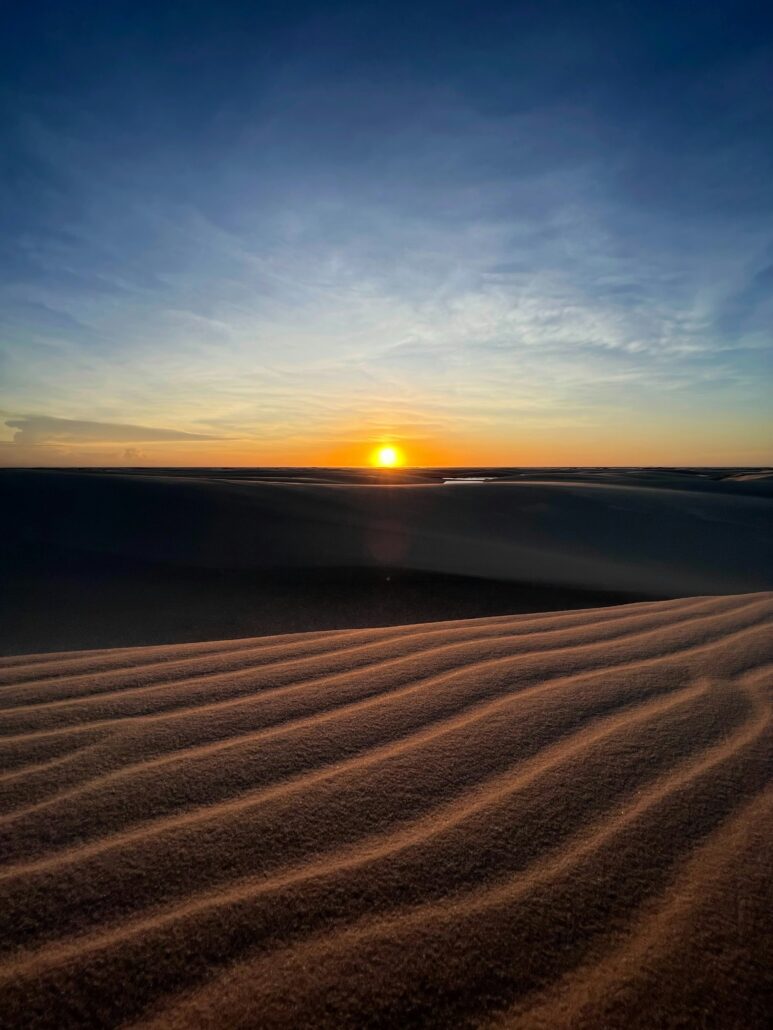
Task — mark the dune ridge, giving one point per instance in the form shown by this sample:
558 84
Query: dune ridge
533 820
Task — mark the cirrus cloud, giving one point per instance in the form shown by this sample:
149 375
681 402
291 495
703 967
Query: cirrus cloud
33 430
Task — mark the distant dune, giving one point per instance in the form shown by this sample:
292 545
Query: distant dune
558 820
98 559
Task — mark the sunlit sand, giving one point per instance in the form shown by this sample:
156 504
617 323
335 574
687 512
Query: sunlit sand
555 818
541 820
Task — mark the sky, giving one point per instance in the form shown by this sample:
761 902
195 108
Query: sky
283 234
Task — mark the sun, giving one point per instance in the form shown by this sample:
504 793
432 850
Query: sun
386 457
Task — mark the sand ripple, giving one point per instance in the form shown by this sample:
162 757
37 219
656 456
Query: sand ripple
556 820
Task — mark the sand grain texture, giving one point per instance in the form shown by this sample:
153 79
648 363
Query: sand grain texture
535 821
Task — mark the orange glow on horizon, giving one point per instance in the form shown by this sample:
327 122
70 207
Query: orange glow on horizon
347 446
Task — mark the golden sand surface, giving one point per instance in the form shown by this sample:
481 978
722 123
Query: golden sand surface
559 820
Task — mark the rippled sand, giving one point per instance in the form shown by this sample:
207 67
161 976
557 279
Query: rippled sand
535 820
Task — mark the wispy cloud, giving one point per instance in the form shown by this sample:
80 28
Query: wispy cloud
33 430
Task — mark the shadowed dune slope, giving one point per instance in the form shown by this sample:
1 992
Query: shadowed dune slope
536 820
245 553
636 532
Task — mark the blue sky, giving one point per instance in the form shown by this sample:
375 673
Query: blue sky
507 233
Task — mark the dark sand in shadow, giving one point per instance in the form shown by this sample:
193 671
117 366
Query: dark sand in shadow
96 559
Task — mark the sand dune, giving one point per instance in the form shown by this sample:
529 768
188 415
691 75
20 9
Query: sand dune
240 553
537 820
640 531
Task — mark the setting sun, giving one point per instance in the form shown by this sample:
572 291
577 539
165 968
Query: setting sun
387 457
